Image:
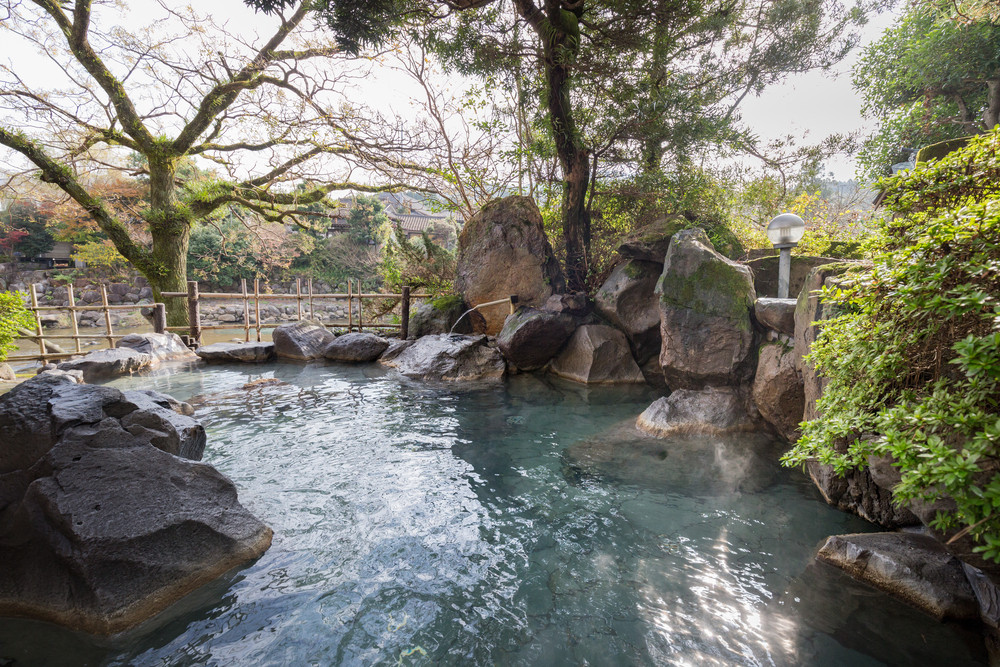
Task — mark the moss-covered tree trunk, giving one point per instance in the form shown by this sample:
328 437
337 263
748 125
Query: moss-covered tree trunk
170 227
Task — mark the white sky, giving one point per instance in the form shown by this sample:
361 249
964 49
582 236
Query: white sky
809 106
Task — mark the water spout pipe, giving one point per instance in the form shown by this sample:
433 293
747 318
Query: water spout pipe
511 299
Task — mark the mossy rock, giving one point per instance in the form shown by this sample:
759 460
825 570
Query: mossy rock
650 243
941 148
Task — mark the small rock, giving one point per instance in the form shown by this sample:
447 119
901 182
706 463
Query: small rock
162 348
776 314
711 411
108 363
7 373
450 358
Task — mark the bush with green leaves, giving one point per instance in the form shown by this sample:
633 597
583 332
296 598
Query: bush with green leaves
13 316
913 363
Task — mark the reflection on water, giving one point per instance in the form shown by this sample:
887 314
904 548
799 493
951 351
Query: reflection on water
523 524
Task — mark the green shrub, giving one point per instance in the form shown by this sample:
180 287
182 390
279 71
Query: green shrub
915 359
13 315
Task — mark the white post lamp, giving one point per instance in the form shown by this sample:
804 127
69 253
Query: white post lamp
785 231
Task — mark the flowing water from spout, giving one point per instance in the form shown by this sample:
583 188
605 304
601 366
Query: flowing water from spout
503 524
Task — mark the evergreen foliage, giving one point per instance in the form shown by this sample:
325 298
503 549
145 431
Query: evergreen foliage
13 315
913 362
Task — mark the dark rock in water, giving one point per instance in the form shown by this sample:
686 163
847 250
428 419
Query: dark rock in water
305 340
692 464
450 358
857 492
531 337
100 528
705 304
441 316
776 314
914 568
104 364
162 348
626 299
987 595
503 251
777 389
712 411
253 353
358 347
597 354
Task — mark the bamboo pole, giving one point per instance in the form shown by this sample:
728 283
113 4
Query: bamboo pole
298 296
107 315
256 305
71 300
312 310
159 318
264 297
50 347
350 308
246 311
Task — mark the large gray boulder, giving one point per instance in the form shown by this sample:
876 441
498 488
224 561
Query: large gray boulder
503 251
777 389
163 348
357 347
253 353
627 300
705 303
304 340
714 411
453 358
531 337
914 568
597 354
108 363
100 527
443 314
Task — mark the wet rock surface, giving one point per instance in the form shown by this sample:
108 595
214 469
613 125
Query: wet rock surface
503 251
165 347
253 353
101 527
597 354
705 302
451 358
358 347
108 363
531 337
914 568
777 389
712 411
305 340
442 315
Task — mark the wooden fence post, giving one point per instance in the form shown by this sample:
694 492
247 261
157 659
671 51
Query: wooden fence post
194 312
107 315
312 312
159 318
298 296
72 317
350 308
256 304
38 320
246 311
404 318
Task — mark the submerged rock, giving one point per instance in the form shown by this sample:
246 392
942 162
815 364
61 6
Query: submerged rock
689 464
597 354
705 303
503 251
165 347
712 411
531 337
452 358
357 347
914 568
100 527
108 363
253 353
304 340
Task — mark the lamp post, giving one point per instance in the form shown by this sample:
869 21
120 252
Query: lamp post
785 231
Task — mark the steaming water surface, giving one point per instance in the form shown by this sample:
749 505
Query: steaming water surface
503 524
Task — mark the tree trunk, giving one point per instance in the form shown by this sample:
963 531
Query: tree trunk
991 116
171 231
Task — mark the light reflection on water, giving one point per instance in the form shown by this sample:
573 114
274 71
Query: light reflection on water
503 524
